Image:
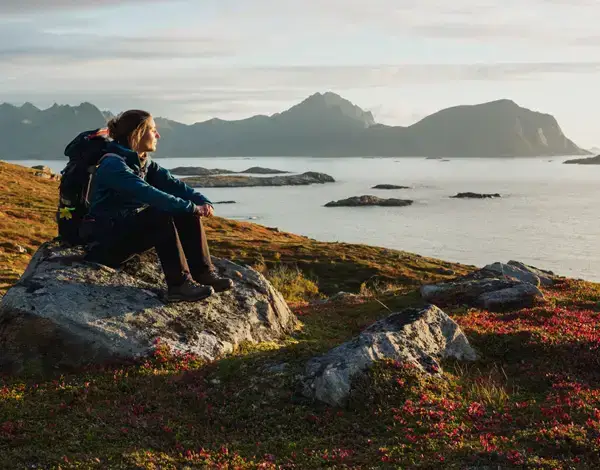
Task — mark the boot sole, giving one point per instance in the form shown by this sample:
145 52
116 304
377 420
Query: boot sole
223 288
219 287
177 298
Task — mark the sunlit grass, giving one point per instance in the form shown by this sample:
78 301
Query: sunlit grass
532 400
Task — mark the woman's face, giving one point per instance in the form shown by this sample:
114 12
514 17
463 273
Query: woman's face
150 138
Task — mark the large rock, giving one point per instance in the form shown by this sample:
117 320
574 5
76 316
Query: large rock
483 289
43 168
520 296
546 277
515 272
463 290
65 312
45 172
521 272
418 336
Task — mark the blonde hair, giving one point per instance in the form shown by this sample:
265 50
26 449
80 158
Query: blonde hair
129 127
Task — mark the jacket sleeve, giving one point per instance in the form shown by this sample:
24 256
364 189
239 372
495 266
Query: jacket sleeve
162 179
114 173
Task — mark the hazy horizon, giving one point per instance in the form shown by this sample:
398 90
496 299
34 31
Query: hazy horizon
230 60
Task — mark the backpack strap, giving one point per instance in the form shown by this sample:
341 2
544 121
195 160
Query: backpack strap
92 172
92 168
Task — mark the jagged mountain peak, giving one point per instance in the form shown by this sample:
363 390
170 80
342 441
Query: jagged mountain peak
328 106
29 107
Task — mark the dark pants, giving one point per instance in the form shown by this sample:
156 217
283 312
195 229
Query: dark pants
179 240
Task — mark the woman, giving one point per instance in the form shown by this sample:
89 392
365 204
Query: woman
135 205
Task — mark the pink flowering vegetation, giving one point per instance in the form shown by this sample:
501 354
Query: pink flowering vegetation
532 400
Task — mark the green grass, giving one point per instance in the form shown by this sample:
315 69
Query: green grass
523 404
27 206
291 282
532 400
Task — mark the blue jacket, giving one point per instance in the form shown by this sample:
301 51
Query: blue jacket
121 187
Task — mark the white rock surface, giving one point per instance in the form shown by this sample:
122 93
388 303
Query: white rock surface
418 336
67 312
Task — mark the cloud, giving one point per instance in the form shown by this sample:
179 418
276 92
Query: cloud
538 22
24 7
86 48
75 41
479 31
215 85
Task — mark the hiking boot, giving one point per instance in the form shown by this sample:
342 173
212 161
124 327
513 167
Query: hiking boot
189 291
211 278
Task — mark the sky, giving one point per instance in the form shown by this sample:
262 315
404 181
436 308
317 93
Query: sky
192 60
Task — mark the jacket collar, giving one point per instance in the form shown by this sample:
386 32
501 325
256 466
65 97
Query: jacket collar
131 158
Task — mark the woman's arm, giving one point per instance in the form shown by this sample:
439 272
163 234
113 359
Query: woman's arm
162 179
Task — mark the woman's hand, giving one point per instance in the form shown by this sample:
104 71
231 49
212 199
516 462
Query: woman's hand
204 211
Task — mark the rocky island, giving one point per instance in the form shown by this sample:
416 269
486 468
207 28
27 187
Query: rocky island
584 161
389 186
469 195
259 170
201 171
359 201
238 181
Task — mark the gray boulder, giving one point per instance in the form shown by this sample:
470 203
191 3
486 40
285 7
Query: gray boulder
463 290
65 312
43 168
342 296
418 336
521 272
520 296
45 172
516 272
546 277
496 295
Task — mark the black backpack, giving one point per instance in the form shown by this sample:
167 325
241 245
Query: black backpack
85 152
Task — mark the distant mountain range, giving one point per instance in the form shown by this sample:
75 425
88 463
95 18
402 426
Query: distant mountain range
323 125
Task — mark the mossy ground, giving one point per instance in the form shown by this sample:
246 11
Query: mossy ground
27 206
531 401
